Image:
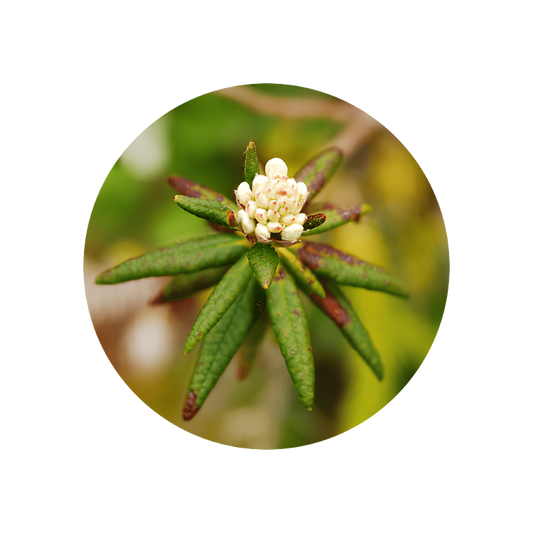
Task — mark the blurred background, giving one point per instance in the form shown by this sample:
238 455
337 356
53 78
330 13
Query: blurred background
204 140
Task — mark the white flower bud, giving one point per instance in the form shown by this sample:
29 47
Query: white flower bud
261 200
243 193
273 215
258 183
251 208
296 207
290 203
247 224
275 202
288 220
293 185
261 216
262 231
302 189
300 218
290 233
276 167
274 227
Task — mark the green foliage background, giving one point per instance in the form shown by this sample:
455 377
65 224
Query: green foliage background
203 140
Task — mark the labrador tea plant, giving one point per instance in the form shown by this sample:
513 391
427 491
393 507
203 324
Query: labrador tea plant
256 271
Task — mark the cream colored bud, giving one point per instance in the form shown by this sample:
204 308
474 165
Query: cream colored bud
251 208
262 200
283 211
261 216
247 224
272 215
288 220
276 167
262 231
273 204
258 181
300 218
302 188
243 194
274 227
296 208
292 232
290 203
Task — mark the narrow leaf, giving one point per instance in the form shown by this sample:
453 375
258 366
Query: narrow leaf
185 285
251 163
317 172
337 216
220 345
263 260
289 323
195 190
337 307
181 258
302 274
219 301
211 210
346 269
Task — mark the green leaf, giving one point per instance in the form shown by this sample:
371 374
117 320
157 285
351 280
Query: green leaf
317 172
181 258
195 190
337 216
346 269
263 260
219 301
211 210
251 163
289 323
337 307
302 274
220 345
185 285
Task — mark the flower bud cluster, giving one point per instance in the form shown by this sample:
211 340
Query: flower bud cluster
272 205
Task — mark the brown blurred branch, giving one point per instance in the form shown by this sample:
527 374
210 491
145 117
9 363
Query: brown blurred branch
358 125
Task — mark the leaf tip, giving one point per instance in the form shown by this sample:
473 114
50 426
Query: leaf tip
103 278
190 409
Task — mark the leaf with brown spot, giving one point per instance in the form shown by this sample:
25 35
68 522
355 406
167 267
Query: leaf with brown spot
221 344
220 300
337 307
305 277
211 210
251 163
347 269
292 332
194 190
317 172
181 258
